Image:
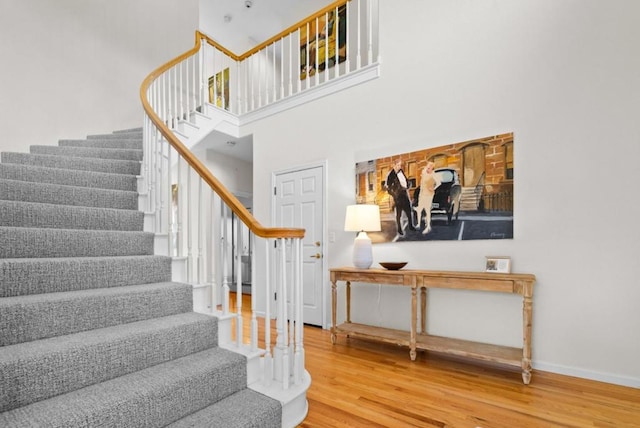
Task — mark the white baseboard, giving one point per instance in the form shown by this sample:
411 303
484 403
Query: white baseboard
586 374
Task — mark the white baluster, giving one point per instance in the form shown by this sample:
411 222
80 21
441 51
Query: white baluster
268 359
299 357
225 259
316 52
260 74
280 319
254 318
326 47
252 61
200 234
223 96
370 32
283 313
291 310
359 37
170 110
292 67
148 137
158 190
180 207
195 70
238 265
282 68
336 59
214 100
170 225
347 64
164 193
176 95
189 222
273 67
203 78
152 174
245 95
237 106
214 256
298 69
180 89
187 88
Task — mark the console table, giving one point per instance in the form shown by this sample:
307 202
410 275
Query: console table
521 284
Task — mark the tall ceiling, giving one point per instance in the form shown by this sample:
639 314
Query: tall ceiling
251 22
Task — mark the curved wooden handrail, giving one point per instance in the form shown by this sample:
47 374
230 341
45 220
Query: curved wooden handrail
245 216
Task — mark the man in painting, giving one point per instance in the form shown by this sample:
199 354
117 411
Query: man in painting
397 186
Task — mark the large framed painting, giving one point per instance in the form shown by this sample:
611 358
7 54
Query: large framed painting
459 191
323 41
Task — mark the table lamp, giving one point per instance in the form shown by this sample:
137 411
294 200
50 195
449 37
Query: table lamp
362 218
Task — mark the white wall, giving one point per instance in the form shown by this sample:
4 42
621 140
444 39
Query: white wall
76 66
236 174
564 76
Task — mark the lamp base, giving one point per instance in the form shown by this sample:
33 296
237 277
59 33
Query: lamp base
362 252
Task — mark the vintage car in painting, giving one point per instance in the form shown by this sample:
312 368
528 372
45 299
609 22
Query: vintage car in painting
446 199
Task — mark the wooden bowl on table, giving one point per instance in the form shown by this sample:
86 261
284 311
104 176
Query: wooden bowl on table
393 265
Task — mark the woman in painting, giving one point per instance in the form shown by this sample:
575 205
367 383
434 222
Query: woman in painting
428 183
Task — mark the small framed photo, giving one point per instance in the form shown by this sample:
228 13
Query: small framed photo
498 264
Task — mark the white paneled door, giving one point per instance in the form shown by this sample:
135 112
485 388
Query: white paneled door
299 202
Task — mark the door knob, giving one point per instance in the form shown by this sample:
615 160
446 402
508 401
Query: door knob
317 243
316 256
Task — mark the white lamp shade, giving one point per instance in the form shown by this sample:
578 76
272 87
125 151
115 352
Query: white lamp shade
362 217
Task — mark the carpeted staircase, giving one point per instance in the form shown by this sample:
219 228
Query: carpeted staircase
92 330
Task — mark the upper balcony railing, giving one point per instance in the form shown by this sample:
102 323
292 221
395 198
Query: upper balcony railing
334 48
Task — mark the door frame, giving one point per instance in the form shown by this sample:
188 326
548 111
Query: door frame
323 164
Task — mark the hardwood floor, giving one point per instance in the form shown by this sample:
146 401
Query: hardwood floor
358 383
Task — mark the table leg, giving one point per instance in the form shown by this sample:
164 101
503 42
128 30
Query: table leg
423 310
414 321
334 295
348 301
527 321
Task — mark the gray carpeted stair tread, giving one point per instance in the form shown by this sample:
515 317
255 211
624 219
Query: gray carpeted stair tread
68 177
34 276
108 143
244 409
40 316
31 214
136 130
41 369
116 136
16 190
22 242
153 397
113 166
87 152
